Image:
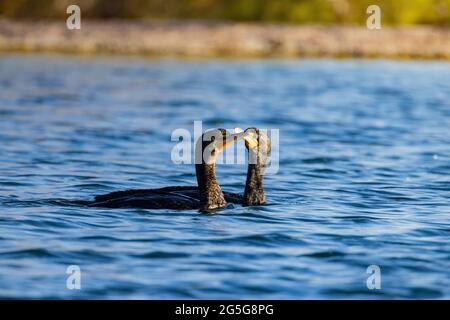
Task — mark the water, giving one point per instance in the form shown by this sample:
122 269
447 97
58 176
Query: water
363 180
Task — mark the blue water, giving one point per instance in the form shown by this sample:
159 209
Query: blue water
364 178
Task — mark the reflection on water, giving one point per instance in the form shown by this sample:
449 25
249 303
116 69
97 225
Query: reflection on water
364 178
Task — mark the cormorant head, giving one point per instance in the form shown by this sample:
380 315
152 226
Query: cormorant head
258 145
213 142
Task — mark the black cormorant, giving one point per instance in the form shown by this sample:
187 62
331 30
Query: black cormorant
207 195
259 147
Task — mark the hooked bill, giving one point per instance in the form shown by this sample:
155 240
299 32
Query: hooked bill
250 137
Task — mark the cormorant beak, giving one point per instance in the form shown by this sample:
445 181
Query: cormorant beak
250 137
232 138
212 151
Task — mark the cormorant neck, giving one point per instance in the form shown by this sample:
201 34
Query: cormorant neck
254 190
211 196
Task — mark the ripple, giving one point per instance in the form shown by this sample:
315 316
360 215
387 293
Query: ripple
27 253
161 255
266 239
321 160
325 254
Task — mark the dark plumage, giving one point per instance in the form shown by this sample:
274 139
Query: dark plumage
175 197
258 152
208 194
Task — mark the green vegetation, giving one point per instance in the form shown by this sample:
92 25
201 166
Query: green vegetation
395 12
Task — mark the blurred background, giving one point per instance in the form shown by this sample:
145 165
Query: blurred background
414 29
398 12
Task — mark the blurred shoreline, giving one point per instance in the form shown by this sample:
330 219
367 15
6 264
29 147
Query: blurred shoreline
192 39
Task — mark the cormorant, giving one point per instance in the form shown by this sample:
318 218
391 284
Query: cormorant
207 195
259 147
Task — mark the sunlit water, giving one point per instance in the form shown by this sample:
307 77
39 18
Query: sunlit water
363 180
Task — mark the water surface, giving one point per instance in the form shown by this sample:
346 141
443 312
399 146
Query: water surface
363 180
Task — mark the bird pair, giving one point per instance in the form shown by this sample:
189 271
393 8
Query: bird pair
208 195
